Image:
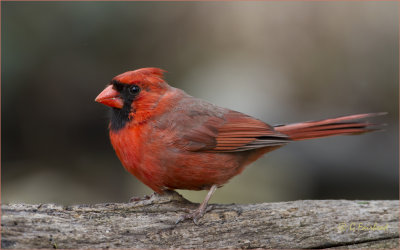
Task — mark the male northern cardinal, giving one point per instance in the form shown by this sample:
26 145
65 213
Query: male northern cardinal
171 140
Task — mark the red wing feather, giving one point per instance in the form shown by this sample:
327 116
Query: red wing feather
234 132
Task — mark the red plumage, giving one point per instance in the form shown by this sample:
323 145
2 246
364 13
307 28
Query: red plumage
170 140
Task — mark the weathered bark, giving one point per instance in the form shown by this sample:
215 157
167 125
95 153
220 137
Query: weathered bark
151 224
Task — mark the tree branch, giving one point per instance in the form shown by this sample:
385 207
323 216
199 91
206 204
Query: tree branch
150 223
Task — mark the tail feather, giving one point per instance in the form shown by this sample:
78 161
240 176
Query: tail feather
345 125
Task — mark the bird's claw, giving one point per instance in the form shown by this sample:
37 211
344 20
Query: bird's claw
194 215
135 198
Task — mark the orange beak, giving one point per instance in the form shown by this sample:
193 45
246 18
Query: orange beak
110 97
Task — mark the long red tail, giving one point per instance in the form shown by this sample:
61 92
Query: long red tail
346 125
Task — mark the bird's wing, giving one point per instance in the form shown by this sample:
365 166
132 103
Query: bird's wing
230 132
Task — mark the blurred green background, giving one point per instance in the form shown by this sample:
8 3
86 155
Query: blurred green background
281 62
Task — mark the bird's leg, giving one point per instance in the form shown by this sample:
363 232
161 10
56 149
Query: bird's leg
195 215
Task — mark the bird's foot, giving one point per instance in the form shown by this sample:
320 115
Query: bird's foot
194 215
136 198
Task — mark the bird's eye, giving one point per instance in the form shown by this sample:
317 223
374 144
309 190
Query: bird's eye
134 89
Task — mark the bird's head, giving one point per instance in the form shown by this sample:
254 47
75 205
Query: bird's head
133 95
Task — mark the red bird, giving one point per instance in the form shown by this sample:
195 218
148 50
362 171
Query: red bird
171 140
